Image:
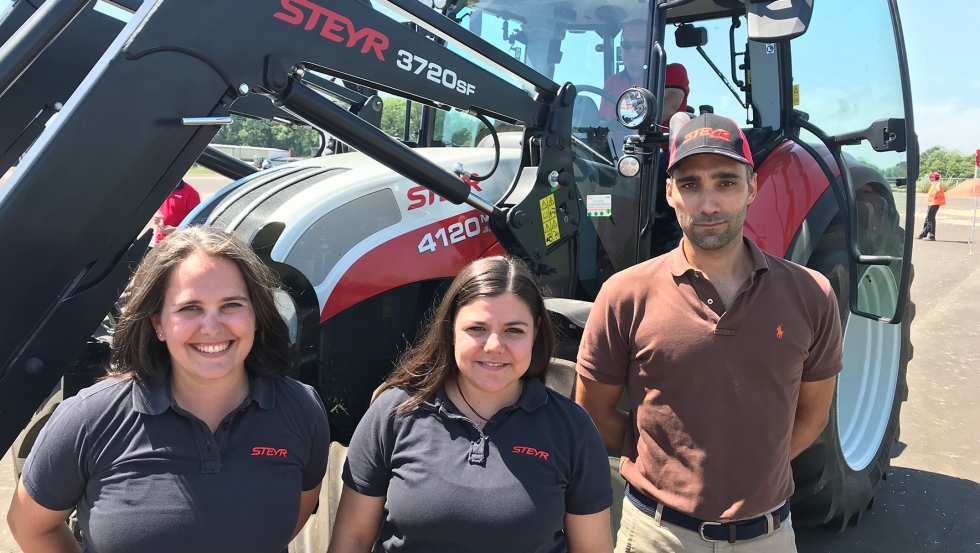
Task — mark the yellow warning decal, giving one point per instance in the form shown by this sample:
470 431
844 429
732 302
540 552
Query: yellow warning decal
549 218
796 95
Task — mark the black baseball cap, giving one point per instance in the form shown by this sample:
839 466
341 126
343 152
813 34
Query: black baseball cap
709 134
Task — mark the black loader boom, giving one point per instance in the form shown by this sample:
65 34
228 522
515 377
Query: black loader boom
154 101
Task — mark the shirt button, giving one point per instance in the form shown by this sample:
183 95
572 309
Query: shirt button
493 423
226 426
710 301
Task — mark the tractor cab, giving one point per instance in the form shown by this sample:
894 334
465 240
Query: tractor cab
789 75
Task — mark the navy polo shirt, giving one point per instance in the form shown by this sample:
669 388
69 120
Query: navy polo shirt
149 476
450 486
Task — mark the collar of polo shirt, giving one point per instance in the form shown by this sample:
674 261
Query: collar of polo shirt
679 265
533 396
153 397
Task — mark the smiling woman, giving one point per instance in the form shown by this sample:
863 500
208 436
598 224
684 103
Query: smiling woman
196 441
464 448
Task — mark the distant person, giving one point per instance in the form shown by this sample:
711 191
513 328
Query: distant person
197 441
465 449
634 45
937 198
266 164
175 209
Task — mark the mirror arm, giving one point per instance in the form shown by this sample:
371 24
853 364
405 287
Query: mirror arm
853 251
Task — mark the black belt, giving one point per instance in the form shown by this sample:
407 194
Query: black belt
710 530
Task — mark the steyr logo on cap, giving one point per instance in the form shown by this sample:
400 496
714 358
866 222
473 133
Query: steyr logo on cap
720 134
268 452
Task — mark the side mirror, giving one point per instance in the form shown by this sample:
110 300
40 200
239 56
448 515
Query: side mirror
778 20
689 36
884 135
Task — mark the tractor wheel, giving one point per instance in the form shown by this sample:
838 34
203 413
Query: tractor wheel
24 443
838 476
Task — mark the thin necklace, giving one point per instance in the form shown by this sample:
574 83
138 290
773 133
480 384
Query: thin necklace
475 412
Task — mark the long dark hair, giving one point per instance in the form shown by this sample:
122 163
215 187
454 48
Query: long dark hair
425 367
136 352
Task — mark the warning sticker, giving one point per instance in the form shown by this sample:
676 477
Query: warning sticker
796 95
598 205
549 219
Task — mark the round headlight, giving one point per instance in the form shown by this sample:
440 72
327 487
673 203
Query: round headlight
635 107
628 166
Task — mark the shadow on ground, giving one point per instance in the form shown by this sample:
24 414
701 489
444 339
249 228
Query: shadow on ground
915 511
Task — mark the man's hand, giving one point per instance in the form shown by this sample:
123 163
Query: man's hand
157 219
600 401
167 230
812 413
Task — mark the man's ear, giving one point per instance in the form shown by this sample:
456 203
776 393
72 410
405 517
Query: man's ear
753 187
670 191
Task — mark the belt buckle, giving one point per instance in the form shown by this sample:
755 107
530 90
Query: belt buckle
711 523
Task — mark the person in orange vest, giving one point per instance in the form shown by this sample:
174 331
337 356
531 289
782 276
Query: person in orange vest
937 198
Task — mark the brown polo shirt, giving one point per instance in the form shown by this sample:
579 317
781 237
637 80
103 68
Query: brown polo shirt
712 390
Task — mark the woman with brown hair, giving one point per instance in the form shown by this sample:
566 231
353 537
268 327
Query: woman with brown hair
197 440
464 448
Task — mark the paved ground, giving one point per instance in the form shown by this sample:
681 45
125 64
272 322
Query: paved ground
931 500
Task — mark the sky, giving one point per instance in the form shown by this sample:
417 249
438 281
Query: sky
940 38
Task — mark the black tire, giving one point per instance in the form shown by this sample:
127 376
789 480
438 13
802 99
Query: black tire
24 443
828 491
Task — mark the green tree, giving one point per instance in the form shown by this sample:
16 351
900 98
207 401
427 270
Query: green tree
393 118
245 131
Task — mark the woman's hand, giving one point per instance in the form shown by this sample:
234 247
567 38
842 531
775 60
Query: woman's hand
588 533
358 521
36 529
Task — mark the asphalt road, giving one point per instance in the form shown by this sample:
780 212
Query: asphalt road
931 499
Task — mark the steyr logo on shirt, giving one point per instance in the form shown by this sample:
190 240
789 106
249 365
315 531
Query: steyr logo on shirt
268 452
530 451
779 332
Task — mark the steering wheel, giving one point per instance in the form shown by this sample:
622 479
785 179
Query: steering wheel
605 94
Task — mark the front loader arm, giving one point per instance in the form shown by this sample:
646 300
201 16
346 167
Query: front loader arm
70 213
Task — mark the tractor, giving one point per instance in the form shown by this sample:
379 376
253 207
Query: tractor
511 156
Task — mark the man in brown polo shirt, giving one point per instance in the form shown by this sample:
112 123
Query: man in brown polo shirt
728 357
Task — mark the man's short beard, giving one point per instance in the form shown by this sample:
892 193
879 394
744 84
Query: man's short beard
716 241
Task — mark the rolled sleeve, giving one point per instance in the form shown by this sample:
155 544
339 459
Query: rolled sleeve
56 471
589 488
604 353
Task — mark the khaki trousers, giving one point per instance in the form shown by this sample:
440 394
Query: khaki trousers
641 533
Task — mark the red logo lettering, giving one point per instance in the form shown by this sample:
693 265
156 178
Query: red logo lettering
333 26
421 196
530 451
268 452
720 134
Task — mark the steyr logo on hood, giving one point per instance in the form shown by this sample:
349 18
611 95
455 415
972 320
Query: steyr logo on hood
268 452
333 25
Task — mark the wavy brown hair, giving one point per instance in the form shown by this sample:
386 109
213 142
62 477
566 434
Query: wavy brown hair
425 367
136 352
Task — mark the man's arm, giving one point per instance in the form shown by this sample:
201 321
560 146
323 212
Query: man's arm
812 413
600 401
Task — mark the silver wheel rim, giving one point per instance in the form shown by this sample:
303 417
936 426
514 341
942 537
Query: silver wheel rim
866 386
